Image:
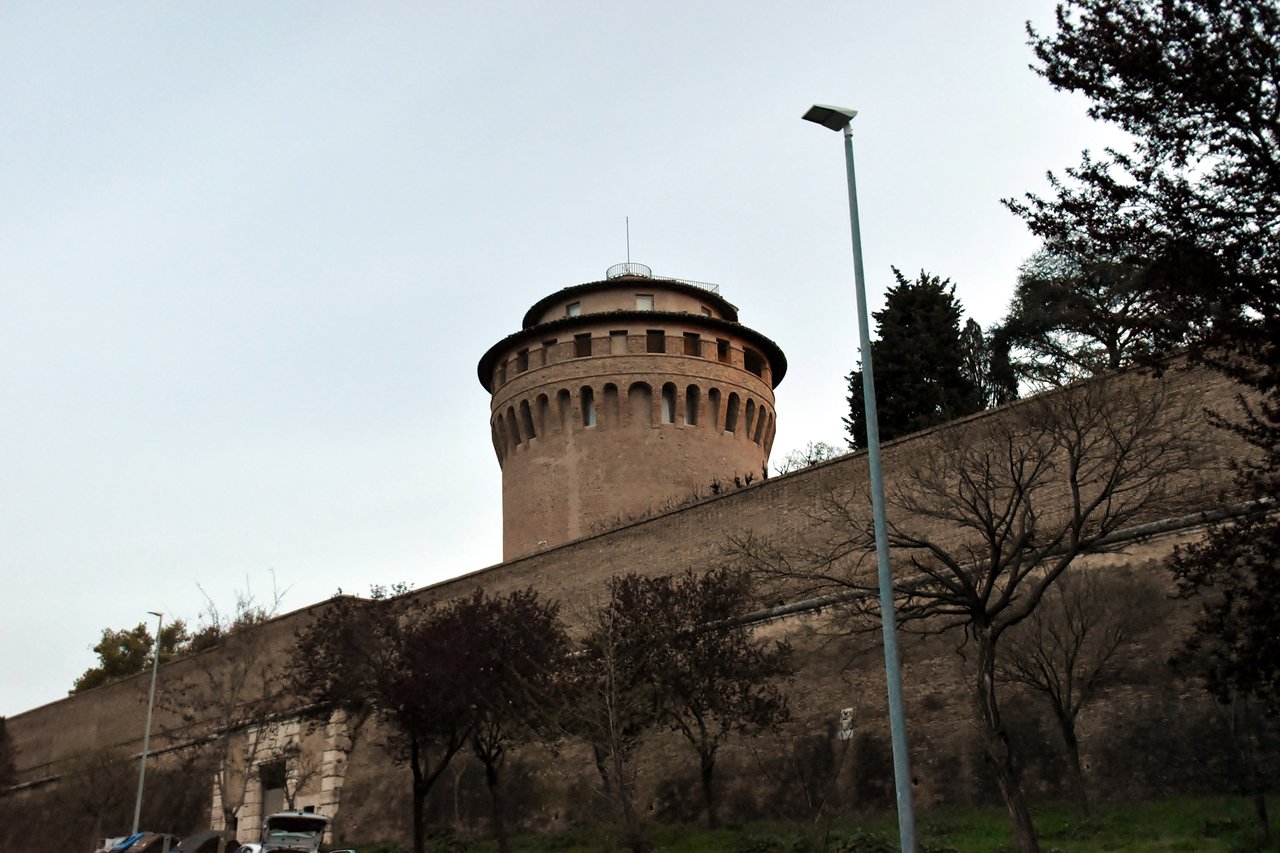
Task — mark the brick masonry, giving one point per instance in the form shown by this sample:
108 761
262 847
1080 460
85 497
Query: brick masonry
362 786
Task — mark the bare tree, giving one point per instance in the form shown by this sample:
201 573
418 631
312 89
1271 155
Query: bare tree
1069 644
99 785
713 677
440 676
301 767
515 643
386 659
229 701
987 516
607 699
812 453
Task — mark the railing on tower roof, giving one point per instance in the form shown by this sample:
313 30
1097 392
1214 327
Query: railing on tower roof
643 271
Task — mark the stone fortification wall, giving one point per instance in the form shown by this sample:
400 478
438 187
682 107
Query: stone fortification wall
786 509
111 717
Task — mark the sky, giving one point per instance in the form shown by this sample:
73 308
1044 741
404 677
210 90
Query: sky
250 254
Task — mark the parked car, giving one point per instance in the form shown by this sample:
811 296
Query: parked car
207 842
140 842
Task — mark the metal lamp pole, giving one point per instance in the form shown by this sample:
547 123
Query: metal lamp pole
839 118
146 734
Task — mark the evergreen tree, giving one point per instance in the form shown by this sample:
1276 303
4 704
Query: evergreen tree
983 367
128 651
1196 207
1073 317
1196 204
920 363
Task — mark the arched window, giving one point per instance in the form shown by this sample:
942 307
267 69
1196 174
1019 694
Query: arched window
499 439
513 429
588 398
640 397
750 420
761 419
713 400
565 407
611 415
526 421
731 414
669 403
542 413
691 402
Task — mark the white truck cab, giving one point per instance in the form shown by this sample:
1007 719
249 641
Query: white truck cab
293 831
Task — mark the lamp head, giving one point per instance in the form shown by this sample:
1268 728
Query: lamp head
832 118
154 613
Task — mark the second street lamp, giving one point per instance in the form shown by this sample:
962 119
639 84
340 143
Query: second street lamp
146 733
839 118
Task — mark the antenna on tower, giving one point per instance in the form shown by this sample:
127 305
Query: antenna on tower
628 239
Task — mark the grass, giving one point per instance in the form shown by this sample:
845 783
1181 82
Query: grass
1182 825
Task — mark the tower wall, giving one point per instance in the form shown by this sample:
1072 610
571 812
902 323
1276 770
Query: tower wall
610 412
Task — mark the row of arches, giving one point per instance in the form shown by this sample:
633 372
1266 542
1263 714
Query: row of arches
635 406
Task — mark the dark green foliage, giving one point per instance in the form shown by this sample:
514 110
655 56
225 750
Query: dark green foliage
1195 206
986 365
1236 643
127 652
864 841
1073 317
920 364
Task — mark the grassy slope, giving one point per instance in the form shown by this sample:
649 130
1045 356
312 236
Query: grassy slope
1202 825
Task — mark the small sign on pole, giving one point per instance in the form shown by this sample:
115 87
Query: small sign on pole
846 724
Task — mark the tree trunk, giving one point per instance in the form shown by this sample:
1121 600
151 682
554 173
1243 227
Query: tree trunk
1067 725
599 752
636 840
1260 809
495 800
419 797
708 788
999 750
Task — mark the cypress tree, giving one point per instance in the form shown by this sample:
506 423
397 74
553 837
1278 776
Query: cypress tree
921 376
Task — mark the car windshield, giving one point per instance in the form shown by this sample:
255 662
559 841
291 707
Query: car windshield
294 827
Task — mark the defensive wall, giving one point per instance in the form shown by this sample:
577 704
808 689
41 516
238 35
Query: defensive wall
836 673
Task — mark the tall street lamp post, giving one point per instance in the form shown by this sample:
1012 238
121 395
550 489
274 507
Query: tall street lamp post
839 118
146 733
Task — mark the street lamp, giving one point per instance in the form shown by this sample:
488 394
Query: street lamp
839 118
146 734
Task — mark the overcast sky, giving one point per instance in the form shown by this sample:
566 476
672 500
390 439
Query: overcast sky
250 254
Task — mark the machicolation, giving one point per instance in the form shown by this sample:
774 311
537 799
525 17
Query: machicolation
617 395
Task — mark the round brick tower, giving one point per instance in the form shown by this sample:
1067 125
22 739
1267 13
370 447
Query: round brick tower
622 397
